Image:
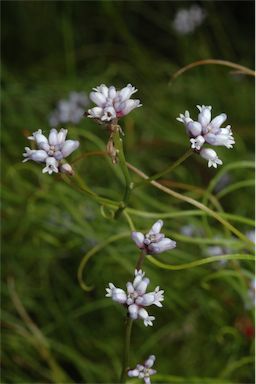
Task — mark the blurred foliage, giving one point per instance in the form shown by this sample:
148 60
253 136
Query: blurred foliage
53 331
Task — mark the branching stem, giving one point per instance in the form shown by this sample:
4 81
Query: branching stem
166 170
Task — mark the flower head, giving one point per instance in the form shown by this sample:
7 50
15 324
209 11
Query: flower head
51 151
153 242
135 298
112 104
70 110
144 371
187 20
209 131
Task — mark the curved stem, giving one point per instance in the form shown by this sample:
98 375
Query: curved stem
127 342
189 200
83 187
235 186
91 253
226 168
128 181
240 68
129 220
166 170
197 263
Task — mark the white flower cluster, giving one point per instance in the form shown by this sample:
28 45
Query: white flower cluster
136 298
153 242
51 151
70 110
144 371
187 20
112 104
208 131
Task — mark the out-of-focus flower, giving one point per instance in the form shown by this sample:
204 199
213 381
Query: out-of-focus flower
144 371
251 235
207 130
112 104
218 250
251 293
153 242
187 20
223 181
70 110
51 151
191 230
135 298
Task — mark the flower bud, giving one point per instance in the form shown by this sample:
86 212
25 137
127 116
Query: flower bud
67 169
69 146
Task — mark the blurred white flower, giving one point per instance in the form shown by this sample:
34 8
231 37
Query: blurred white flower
153 242
112 104
144 371
135 298
251 235
218 250
187 20
222 182
191 230
251 294
70 110
205 130
51 151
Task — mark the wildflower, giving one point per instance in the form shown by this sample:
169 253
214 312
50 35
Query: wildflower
112 104
51 151
144 371
212 157
135 298
70 110
207 131
187 20
153 242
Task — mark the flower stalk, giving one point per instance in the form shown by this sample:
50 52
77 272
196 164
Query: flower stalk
141 260
166 170
118 143
127 342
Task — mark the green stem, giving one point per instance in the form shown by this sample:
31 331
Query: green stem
140 260
127 341
249 244
128 181
82 186
197 263
166 170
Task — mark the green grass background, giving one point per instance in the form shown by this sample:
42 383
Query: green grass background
53 331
